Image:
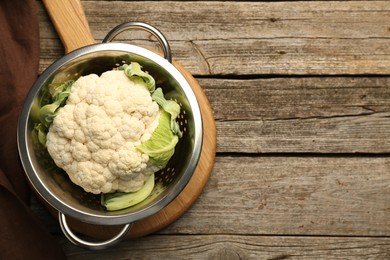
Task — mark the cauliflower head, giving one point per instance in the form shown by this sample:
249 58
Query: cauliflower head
95 135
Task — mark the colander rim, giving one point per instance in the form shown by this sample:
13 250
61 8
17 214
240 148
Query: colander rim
87 217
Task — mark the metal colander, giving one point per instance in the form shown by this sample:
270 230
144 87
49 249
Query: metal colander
53 185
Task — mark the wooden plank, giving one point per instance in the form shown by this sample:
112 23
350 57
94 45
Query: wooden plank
297 97
239 247
303 115
350 134
241 38
293 196
321 196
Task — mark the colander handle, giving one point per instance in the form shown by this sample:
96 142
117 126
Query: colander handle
87 244
143 26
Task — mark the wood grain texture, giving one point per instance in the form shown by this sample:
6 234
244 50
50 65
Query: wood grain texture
301 114
69 19
242 38
293 196
231 247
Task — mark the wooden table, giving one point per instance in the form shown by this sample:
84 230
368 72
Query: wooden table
301 97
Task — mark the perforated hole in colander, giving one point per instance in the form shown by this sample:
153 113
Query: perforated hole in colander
167 175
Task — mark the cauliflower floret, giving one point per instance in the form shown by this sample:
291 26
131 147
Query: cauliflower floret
94 136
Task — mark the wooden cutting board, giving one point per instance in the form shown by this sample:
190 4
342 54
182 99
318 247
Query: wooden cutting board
72 27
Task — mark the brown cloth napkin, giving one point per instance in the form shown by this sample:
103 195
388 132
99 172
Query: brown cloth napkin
22 236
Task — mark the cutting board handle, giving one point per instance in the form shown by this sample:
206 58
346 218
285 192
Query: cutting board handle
70 23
